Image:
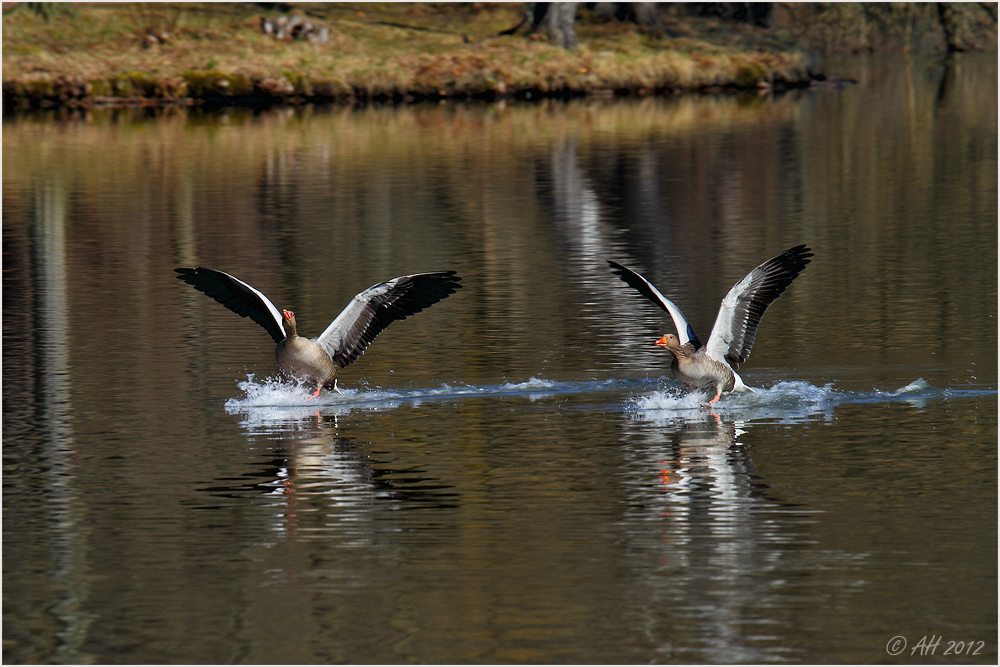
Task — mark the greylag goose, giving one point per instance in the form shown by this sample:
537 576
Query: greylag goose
347 337
713 366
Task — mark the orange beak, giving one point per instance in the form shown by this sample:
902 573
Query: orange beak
662 342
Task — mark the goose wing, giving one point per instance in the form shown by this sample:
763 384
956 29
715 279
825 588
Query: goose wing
684 331
237 296
739 315
380 305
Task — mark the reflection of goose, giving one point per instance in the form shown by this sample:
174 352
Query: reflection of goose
713 535
713 366
347 337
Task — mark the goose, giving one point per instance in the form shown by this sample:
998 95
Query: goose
316 360
713 366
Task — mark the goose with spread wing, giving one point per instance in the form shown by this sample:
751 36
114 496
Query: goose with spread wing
316 360
713 366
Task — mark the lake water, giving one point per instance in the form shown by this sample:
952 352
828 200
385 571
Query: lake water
512 475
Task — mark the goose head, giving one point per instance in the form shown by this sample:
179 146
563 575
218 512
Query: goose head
669 341
288 322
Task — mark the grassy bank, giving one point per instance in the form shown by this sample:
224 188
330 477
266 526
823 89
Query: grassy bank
152 53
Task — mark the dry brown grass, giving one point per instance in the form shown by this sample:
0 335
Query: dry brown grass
376 51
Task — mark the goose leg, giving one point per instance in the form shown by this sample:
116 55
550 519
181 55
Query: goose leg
316 393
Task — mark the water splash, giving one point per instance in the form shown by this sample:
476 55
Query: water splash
271 401
918 386
783 393
530 383
787 401
270 392
273 393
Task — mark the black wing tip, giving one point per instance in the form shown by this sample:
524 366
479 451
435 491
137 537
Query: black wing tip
622 271
446 280
801 252
791 262
189 275
436 275
184 272
632 279
452 279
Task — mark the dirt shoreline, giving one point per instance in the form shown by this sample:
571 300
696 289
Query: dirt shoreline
217 55
19 96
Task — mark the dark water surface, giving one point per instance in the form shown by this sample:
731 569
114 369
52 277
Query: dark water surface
512 475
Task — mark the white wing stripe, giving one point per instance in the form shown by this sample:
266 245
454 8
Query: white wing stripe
684 331
333 336
267 302
723 330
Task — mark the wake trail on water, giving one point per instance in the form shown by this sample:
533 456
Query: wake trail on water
273 393
787 400
273 400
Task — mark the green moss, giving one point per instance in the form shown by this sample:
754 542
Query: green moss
749 73
134 84
302 85
34 88
102 88
331 89
201 83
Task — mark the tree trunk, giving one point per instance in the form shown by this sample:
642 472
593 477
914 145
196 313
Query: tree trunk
945 18
646 16
554 18
558 22
757 13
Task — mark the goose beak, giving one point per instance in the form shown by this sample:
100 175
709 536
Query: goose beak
662 342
